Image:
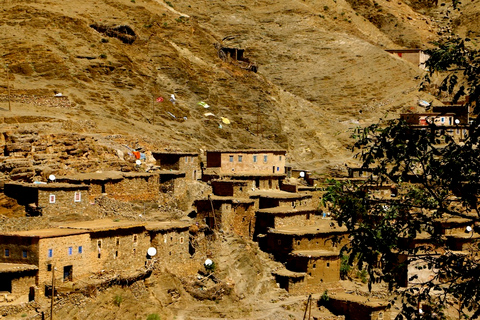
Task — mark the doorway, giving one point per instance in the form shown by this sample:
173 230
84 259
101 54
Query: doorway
68 273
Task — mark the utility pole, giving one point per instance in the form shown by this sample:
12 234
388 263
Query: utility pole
309 302
53 292
8 88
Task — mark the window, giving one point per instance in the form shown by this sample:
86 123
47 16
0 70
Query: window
314 265
328 264
51 198
50 253
99 244
116 255
117 241
78 197
265 158
80 249
7 253
70 251
240 158
181 240
298 242
230 158
135 238
186 159
49 267
24 254
442 119
255 158
278 169
279 158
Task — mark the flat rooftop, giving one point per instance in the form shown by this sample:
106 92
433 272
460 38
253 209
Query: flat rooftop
249 151
277 194
366 301
102 225
287 210
44 233
167 225
16 267
314 253
48 186
320 228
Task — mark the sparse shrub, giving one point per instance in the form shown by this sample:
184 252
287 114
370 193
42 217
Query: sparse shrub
169 3
132 1
324 297
24 315
165 24
105 40
325 8
153 316
117 300
363 276
103 56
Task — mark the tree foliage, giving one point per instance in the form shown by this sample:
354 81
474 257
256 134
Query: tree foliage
437 178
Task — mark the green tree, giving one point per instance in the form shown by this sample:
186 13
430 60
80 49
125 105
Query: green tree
437 178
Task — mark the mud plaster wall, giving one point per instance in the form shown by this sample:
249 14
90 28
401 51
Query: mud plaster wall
61 257
296 220
134 188
64 201
191 166
119 250
172 250
244 162
21 284
319 270
16 246
285 203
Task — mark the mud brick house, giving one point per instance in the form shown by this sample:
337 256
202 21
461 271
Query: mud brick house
230 188
324 235
263 168
17 283
123 186
279 217
77 250
183 162
229 214
356 307
414 56
52 199
272 199
171 240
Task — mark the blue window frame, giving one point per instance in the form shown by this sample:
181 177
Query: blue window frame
7 252
265 158
70 251
230 158
255 158
80 249
50 253
24 254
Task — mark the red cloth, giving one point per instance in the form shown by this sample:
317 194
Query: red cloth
160 99
136 154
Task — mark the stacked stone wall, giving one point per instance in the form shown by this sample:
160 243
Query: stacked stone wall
65 201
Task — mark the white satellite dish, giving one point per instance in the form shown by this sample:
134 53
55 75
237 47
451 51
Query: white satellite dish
469 229
138 162
457 121
51 177
208 262
152 251
302 174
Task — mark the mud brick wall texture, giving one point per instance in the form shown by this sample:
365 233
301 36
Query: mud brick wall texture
59 202
134 188
172 249
239 218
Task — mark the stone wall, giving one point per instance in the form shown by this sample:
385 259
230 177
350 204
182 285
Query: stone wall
119 250
172 249
57 202
264 162
140 188
239 218
16 246
357 310
65 252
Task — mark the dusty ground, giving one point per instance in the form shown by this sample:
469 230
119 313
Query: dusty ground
322 72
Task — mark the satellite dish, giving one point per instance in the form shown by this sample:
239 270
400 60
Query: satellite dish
302 174
138 162
469 229
457 121
152 251
208 262
51 177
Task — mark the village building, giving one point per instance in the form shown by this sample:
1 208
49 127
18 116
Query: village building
49 199
326 234
171 242
415 56
122 186
264 169
228 214
17 283
77 250
187 163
